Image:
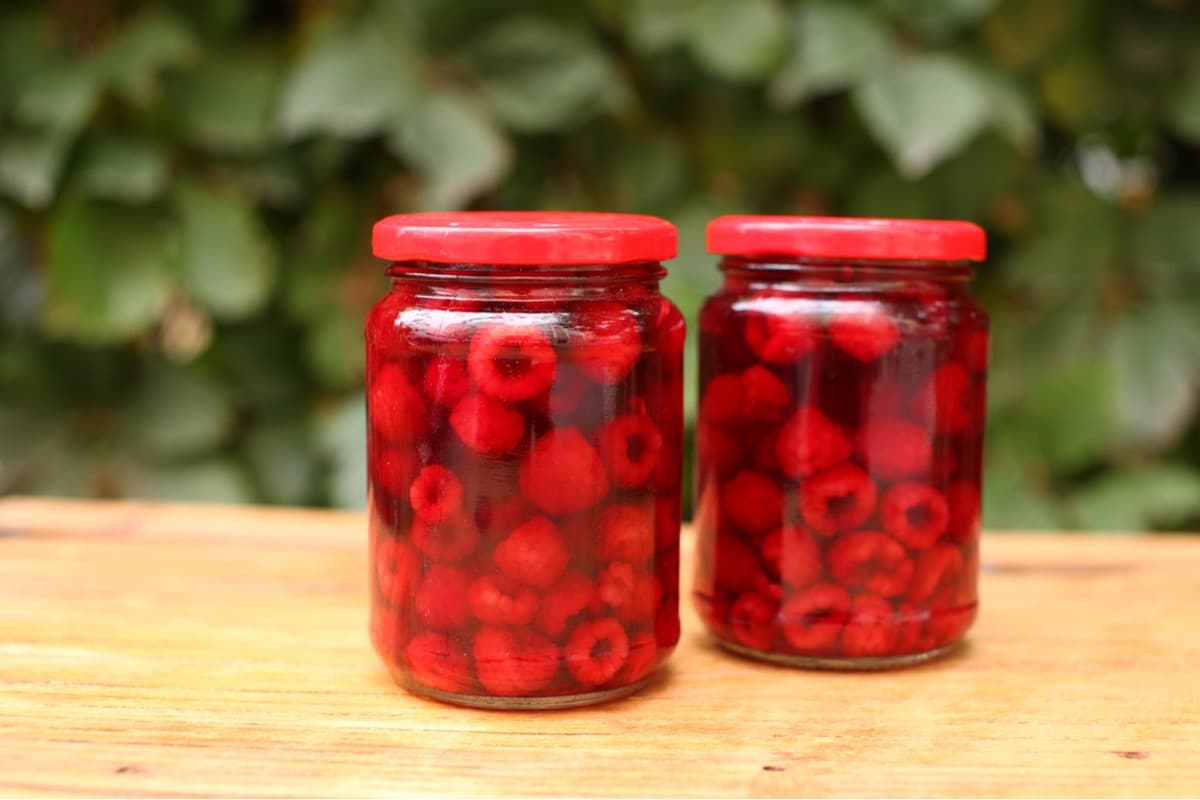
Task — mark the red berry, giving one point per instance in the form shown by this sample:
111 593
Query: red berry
753 502
436 494
915 513
972 348
735 566
962 498
765 458
533 554
393 467
812 619
626 533
597 650
630 445
951 613
666 624
634 602
666 522
567 392
793 554
511 362
893 449
395 570
752 619
441 599
871 630
864 330
514 663
498 518
723 400
448 540
810 442
614 585
563 473
910 625
949 399
781 338
643 652
872 561
716 450
487 425
446 381
436 661
611 343
672 332
938 567
765 398
498 600
837 499
397 410
389 631
572 594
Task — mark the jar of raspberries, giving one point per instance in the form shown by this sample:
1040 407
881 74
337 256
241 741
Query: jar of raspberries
839 439
524 395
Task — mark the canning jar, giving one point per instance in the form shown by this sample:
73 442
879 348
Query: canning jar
524 398
839 439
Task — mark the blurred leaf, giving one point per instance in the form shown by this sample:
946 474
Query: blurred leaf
938 19
128 169
1155 357
1022 32
540 76
283 461
657 25
60 95
342 434
1139 498
215 480
334 349
456 148
1012 112
353 80
835 44
319 257
889 194
107 273
21 287
923 109
227 260
226 102
178 412
1069 414
1014 497
743 41
1075 91
1183 108
27 432
139 53
1168 245
30 164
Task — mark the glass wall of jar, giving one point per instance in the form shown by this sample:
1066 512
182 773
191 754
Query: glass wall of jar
525 418
839 439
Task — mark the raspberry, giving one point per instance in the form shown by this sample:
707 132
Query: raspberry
666 624
611 343
511 362
809 443
666 522
437 662
753 502
397 410
951 613
563 473
793 554
871 630
487 425
813 618
596 650
441 599
567 392
723 400
632 596
572 594
395 570
765 398
948 399
498 600
867 332
781 338
871 561
643 652
436 494
915 513
393 467
389 631
626 533
764 458
630 445
972 348
735 565
446 381
502 517
717 450
910 626
752 619
837 499
448 540
514 663
938 567
533 554
893 449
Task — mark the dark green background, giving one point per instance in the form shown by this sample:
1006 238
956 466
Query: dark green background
186 190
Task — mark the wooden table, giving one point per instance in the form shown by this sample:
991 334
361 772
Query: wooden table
193 650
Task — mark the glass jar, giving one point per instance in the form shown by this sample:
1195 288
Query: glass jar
839 439
524 396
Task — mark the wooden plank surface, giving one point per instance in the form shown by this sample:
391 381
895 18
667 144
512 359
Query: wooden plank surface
206 650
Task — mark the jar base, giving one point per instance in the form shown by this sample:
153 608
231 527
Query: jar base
548 703
850 664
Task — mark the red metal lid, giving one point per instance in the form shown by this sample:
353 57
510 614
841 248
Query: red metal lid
523 237
847 237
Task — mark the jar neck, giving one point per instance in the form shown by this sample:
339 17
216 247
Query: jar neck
573 280
780 272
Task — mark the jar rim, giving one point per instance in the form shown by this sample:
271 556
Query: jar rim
858 238
553 238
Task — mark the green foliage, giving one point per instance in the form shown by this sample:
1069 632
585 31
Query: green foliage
187 189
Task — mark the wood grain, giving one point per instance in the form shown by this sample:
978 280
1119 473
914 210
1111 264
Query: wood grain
149 650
